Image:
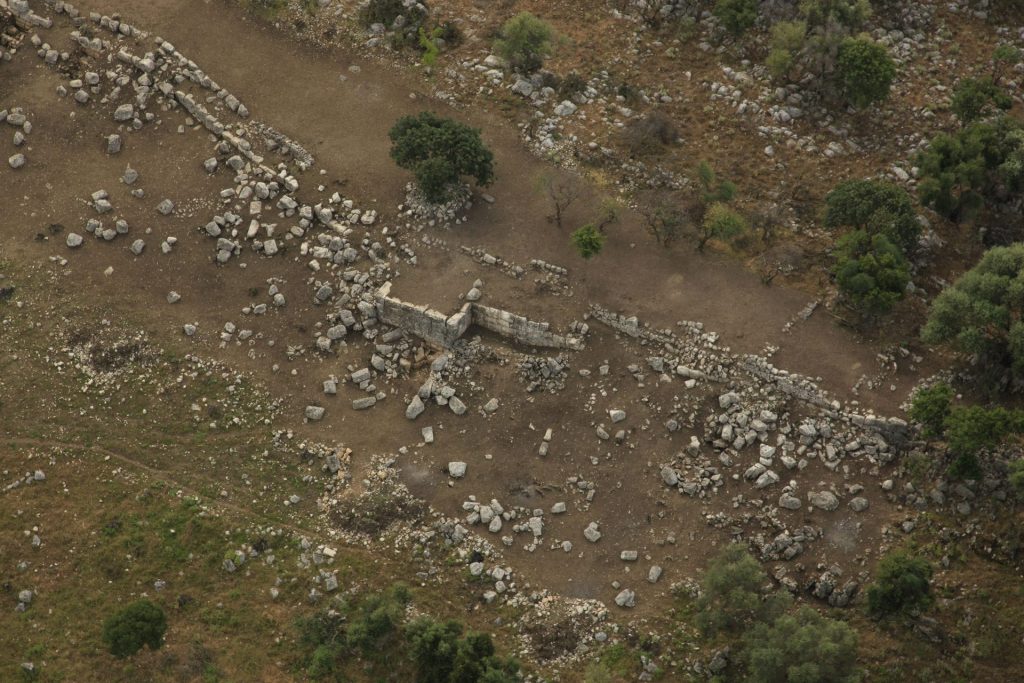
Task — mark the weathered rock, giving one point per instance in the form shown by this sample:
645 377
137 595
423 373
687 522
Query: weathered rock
314 413
457 469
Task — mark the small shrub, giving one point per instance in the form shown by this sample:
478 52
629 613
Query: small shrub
736 15
588 241
713 188
931 407
572 85
525 42
142 623
970 429
1015 476
871 272
787 41
974 98
902 583
451 34
721 223
650 134
440 151
385 12
801 648
865 71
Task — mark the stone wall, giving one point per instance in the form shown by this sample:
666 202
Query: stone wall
442 330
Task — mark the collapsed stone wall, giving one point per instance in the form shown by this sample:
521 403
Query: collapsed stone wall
442 330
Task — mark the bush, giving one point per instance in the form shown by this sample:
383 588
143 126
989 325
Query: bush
524 43
974 98
441 655
801 648
981 164
865 71
140 623
982 314
588 241
377 618
787 41
736 15
721 223
713 189
439 152
871 272
731 597
649 134
1015 476
877 207
902 583
386 11
931 407
572 85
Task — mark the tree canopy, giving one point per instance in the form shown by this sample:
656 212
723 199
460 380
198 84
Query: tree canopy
439 152
982 314
902 582
865 71
142 623
733 593
871 272
877 207
801 648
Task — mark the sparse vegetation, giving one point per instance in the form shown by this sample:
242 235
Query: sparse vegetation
664 218
525 42
439 152
650 134
562 191
975 98
721 223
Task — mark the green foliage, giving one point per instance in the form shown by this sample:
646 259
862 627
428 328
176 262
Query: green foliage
1015 476
140 623
982 163
970 429
736 15
713 189
871 272
524 43
865 71
440 151
732 596
877 207
974 98
902 583
377 618
787 41
931 407
849 14
1003 57
442 655
722 223
386 11
429 44
588 241
981 314
801 648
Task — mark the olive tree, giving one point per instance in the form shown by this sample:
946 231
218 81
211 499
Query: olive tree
439 152
142 623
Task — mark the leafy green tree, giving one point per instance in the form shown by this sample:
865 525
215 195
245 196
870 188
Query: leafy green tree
1004 57
721 223
524 43
865 71
930 407
970 429
980 164
871 272
786 43
982 314
877 207
140 623
810 46
974 98
732 595
588 241
439 152
902 582
801 648
736 15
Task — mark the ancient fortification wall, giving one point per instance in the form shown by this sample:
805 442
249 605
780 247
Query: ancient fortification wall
442 330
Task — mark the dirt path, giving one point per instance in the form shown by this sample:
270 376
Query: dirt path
344 123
